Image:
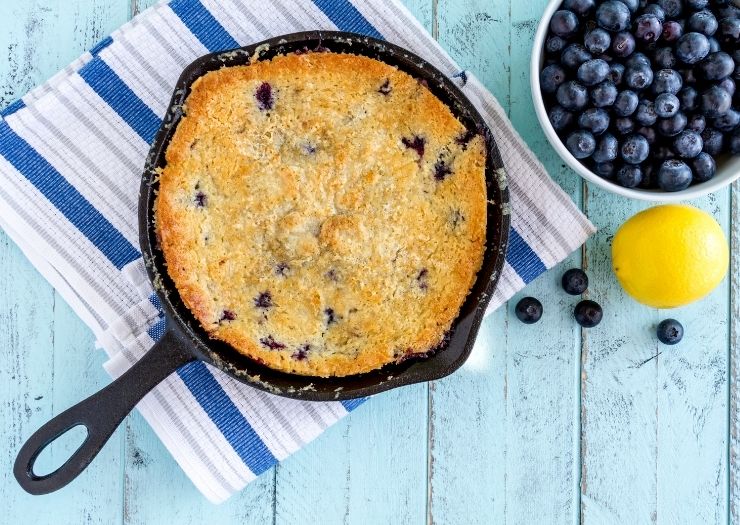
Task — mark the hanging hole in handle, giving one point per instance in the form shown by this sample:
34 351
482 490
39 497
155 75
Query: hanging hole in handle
57 452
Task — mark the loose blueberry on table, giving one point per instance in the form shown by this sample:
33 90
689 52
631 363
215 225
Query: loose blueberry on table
528 310
575 281
644 93
670 332
588 313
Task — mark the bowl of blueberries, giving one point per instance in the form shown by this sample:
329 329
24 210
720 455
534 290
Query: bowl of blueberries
639 96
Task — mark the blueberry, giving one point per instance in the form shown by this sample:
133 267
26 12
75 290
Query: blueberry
728 84
637 59
575 281
551 77
672 126
715 102
415 143
697 4
667 81
672 8
616 72
713 141
605 170
441 170
581 144
597 41
713 44
717 66
648 133
555 45
588 313
692 48
664 58
595 120
703 22
635 149
648 28
623 44
689 98
729 30
655 9
201 199
528 310
728 11
564 23
269 342
560 118
629 176
674 175
626 103
670 332
703 167
613 16
666 105
574 55
265 97
672 31
727 122
593 71
263 300
624 125
688 144
632 5
579 7
646 114
638 77
606 149
227 315
604 94
696 123
572 95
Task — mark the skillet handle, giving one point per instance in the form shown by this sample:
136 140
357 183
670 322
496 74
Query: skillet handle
100 414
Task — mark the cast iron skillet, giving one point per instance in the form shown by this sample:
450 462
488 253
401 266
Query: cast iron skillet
185 341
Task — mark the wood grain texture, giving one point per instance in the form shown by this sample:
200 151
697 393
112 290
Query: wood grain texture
734 356
655 443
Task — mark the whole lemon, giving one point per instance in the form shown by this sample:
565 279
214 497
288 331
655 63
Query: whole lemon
671 255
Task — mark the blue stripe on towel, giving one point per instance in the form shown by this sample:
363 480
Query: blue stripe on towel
351 404
346 17
522 258
203 25
222 411
65 197
13 107
101 45
109 86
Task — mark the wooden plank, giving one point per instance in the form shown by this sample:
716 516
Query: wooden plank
156 490
655 440
734 386
468 410
522 414
51 351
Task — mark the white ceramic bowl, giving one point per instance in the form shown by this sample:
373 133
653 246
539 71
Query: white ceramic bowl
727 169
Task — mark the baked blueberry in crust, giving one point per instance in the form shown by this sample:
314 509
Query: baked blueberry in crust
344 208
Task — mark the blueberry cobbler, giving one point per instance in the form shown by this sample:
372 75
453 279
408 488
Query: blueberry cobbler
322 213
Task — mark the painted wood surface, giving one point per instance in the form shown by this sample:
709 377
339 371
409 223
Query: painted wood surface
549 424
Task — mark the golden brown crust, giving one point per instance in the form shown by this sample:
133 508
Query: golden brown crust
322 212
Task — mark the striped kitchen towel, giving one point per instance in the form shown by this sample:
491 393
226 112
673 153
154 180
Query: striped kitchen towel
71 157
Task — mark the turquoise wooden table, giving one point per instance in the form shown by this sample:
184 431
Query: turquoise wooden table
545 424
